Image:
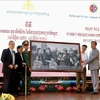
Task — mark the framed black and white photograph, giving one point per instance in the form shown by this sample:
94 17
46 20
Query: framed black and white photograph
55 56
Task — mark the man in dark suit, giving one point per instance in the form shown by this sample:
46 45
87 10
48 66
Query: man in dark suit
20 63
8 59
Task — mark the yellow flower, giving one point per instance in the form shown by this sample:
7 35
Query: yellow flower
7 96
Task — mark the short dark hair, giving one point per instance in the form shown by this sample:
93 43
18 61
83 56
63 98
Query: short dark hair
18 47
11 41
84 45
25 41
94 42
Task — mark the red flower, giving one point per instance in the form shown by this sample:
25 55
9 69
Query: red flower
32 89
41 88
0 86
74 88
60 88
68 88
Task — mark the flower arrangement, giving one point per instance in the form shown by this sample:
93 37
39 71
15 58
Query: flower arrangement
7 97
59 87
42 88
32 89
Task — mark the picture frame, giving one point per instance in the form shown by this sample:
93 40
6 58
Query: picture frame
48 56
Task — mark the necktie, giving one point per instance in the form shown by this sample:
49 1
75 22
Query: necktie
13 57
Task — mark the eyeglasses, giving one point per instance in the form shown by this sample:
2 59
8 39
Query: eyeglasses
26 45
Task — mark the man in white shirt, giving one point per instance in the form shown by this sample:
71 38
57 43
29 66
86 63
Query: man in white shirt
82 75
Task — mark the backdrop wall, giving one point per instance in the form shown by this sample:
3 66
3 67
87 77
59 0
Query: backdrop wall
63 21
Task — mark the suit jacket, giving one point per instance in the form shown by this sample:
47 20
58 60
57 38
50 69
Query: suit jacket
93 61
18 61
6 59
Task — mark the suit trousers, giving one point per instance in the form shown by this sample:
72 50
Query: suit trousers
82 75
9 83
18 78
95 79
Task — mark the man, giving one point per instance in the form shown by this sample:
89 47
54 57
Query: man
74 58
83 74
65 58
93 64
20 63
8 59
26 57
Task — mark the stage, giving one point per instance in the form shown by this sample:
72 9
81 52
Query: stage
59 96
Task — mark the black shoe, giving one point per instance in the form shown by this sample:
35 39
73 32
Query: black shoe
94 93
78 91
84 91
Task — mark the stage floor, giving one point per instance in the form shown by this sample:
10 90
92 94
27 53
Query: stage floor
59 96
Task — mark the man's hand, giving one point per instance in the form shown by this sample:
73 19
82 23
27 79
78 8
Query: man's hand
15 67
82 61
83 64
23 64
11 66
30 69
